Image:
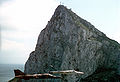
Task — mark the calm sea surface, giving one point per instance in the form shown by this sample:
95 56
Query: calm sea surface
7 71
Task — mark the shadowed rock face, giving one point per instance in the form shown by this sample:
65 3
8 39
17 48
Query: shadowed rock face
69 42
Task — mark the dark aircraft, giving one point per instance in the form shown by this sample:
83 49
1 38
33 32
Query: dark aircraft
20 75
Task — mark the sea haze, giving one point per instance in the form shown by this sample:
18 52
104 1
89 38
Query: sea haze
7 71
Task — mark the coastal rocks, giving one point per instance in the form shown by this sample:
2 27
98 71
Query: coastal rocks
71 43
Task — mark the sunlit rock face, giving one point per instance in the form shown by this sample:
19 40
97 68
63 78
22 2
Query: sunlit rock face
69 42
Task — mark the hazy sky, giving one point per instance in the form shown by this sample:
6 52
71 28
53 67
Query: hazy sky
22 20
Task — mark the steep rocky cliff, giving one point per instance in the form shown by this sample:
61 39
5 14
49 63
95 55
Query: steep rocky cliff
70 42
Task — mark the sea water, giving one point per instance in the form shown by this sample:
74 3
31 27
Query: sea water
7 71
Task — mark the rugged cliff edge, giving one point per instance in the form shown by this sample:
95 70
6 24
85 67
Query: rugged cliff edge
70 42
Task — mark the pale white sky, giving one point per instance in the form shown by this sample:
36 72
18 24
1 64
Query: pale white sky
22 20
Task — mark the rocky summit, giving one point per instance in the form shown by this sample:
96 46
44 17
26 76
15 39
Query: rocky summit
69 42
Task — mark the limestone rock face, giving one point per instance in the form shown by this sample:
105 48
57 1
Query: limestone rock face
69 42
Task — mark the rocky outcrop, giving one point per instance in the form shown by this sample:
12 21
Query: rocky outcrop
69 42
